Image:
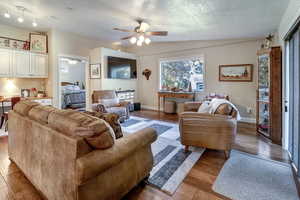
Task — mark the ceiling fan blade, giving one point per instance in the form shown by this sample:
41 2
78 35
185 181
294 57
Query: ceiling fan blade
126 38
123 30
157 33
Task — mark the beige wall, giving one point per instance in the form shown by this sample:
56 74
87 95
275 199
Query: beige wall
63 43
243 94
12 87
99 55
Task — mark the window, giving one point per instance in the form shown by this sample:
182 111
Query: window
180 73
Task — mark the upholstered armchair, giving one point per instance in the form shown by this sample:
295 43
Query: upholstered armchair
106 101
212 131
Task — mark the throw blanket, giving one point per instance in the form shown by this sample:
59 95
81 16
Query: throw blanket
215 103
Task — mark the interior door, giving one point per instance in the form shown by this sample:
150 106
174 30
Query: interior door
5 63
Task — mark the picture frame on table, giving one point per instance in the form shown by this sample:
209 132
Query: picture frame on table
95 71
236 73
38 43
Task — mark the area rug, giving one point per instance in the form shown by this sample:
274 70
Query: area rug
171 162
248 177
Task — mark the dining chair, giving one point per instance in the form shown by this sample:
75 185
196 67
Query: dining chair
14 101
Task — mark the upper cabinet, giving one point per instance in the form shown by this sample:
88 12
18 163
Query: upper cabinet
5 63
23 64
39 65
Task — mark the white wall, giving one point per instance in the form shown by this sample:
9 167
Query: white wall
63 43
99 55
291 14
243 94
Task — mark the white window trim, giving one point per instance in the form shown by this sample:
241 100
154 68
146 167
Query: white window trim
178 58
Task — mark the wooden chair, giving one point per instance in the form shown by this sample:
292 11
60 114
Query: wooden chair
14 101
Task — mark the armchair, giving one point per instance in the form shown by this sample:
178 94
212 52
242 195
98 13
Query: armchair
106 101
213 131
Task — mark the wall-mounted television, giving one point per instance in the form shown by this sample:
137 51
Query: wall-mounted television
121 68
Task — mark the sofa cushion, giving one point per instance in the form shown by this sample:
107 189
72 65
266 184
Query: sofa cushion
95 131
23 107
112 119
40 113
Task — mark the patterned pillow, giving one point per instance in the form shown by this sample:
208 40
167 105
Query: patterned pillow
112 119
224 109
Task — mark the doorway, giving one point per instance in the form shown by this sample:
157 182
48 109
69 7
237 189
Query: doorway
72 83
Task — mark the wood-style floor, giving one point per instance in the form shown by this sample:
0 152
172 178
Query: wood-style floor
196 186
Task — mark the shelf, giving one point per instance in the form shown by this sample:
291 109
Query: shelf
263 101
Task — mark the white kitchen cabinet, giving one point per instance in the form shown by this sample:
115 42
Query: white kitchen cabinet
21 63
6 63
39 65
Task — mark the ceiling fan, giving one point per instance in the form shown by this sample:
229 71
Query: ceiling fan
140 33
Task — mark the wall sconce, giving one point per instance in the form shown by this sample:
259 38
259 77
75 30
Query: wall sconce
147 73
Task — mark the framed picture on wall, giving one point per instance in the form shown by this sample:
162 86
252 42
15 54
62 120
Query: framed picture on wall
38 43
95 71
236 73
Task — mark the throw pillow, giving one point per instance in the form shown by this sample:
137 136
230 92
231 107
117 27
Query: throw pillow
112 119
204 108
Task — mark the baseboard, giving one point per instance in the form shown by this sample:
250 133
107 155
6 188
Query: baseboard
248 120
151 107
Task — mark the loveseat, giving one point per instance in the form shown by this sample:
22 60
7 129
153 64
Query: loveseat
55 151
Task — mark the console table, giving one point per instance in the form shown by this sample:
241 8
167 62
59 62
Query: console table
169 94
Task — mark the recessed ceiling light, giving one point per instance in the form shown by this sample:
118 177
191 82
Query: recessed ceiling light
20 19
6 14
34 24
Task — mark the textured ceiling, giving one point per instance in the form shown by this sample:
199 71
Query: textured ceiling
184 19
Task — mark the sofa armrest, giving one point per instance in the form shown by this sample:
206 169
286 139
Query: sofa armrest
192 106
96 162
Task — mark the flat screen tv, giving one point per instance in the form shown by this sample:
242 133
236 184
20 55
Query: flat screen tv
121 68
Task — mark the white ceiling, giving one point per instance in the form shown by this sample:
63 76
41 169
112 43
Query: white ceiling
184 19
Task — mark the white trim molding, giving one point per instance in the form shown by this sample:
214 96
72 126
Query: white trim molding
243 119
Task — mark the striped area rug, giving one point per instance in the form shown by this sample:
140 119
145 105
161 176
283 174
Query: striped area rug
171 163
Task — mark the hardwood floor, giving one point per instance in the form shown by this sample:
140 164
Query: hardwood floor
196 186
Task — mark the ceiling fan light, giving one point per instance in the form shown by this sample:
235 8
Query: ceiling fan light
133 40
144 26
141 38
139 43
147 41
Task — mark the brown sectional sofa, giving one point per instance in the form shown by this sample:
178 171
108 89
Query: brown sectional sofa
64 166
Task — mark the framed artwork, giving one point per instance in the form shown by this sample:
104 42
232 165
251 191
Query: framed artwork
95 71
236 73
38 43
25 92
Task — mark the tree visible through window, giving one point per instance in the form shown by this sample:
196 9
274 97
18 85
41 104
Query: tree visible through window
180 73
